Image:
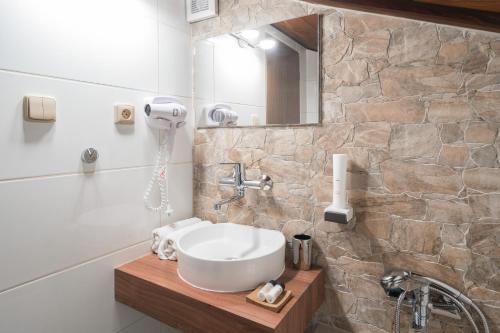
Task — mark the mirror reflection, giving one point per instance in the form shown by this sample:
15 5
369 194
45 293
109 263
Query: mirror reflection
258 77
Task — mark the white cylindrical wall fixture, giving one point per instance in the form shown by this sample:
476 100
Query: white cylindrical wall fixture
339 180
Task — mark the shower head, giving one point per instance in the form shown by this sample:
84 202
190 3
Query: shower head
394 279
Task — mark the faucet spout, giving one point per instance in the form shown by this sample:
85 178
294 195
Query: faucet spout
218 205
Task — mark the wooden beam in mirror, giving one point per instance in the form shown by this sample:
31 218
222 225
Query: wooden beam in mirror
260 76
303 30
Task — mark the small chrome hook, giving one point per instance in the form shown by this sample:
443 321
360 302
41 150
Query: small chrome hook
90 155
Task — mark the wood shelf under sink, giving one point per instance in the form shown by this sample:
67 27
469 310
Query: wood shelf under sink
153 287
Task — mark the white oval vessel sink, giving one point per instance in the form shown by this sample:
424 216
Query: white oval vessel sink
230 257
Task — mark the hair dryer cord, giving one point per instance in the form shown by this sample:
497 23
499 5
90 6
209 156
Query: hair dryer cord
159 177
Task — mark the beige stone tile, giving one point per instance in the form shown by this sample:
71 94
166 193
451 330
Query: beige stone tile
401 205
374 225
357 23
458 258
372 135
374 313
410 81
416 236
453 212
486 105
371 45
352 94
449 110
487 205
332 136
476 58
402 177
485 156
335 47
485 239
414 140
350 72
451 133
453 52
481 81
366 287
414 43
407 110
480 132
482 179
455 235
454 155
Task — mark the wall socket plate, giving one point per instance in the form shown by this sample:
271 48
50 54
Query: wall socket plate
124 114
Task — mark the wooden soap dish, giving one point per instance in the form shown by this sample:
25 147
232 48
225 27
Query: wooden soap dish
276 306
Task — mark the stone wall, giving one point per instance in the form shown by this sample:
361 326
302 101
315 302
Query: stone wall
416 106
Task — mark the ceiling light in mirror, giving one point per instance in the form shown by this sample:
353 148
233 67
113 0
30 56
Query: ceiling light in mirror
267 44
250 34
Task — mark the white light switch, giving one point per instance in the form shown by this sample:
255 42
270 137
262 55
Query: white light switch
37 108
49 109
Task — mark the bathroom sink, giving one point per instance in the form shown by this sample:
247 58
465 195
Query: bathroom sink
229 257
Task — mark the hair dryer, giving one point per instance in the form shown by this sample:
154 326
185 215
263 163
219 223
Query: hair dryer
167 114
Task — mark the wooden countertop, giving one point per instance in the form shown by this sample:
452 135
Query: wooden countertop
152 286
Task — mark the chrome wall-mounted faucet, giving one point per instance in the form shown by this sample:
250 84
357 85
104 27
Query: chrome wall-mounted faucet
240 183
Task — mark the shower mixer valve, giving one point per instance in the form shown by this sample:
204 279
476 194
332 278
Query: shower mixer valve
428 295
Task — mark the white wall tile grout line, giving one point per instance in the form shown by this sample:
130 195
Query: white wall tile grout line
70 268
101 171
98 84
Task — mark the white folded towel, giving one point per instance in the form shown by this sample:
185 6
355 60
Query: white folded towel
167 237
162 232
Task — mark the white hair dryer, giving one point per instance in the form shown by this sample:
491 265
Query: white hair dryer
222 114
166 114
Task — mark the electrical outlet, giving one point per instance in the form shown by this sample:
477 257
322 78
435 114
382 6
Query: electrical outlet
124 114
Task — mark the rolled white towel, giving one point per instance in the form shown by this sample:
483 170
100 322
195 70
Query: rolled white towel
162 232
167 249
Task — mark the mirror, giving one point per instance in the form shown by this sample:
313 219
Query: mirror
268 76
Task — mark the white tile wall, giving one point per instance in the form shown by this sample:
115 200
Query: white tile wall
78 300
63 231
172 13
112 42
248 65
217 63
176 59
62 221
204 70
180 191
